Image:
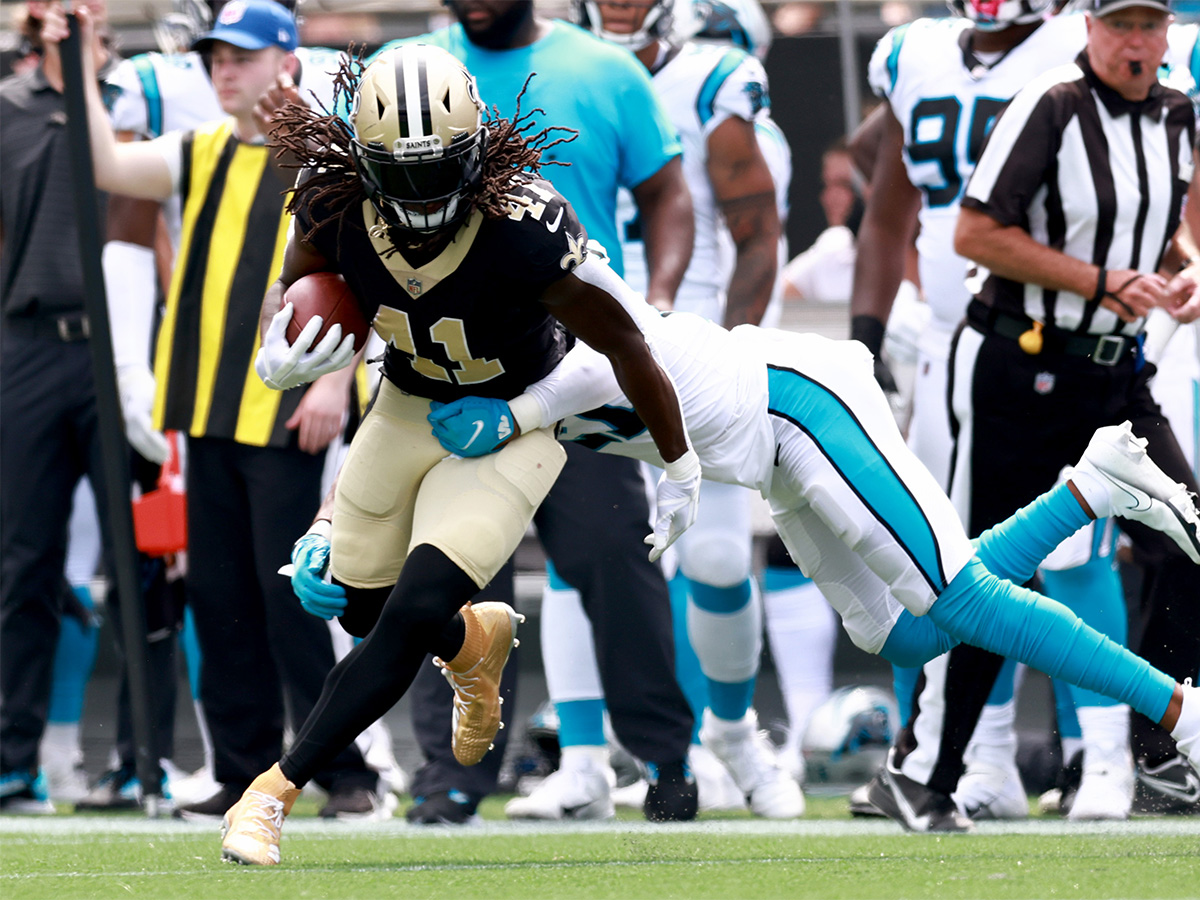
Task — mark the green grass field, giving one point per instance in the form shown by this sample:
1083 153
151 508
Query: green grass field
825 854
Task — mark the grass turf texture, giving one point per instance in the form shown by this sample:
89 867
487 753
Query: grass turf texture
825 854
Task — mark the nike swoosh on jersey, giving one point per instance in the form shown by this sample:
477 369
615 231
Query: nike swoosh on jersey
553 226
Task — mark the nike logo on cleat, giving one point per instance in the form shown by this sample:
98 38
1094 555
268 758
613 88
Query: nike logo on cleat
1189 792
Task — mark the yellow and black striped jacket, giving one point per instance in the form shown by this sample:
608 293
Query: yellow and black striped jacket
230 250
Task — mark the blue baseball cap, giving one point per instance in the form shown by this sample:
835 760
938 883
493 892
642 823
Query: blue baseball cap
252 25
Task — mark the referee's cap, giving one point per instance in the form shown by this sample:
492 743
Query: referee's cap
252 25
1104 7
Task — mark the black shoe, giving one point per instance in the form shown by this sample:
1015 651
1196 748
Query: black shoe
443 808
860 803
116 789
671 794
914 805
1170 788
359 803
211 810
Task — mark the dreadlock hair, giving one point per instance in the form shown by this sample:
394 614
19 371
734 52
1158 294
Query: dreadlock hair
318 142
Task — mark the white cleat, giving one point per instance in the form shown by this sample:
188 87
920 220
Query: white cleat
1140 490
987 791
581 791
1106 789
1187 730
716 789
748 755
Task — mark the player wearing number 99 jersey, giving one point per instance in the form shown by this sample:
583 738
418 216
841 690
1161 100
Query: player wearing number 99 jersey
946 97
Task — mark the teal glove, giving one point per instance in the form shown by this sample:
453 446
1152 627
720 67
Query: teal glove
310 577
471 426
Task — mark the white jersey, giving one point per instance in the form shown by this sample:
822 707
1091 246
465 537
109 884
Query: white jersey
701 87
1182 63
159 93
946 100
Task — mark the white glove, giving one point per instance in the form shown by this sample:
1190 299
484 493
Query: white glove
677 498
283 366
135 384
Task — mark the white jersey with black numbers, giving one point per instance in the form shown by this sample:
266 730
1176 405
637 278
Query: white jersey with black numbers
158 93
700 88
946 100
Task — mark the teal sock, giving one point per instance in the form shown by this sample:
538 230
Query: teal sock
580 723
1093 592
730 700
1015 548
687 666
781 578
980 609
191 651
1064 712
904 684
73 660
1002 687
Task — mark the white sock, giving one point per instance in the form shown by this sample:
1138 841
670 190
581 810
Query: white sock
584 757
1105 730
1094 488
802 629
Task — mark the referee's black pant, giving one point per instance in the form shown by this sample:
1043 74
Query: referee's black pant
48 442
1030 415
261 653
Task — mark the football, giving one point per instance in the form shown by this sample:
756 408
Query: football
327 295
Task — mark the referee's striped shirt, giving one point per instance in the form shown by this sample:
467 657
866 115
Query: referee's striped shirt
1089 173
230 250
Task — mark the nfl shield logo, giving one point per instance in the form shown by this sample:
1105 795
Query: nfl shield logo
1043 382
415 287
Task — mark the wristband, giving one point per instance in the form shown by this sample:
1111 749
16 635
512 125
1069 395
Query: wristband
526 413
684 469
1101 285
868 330
323 527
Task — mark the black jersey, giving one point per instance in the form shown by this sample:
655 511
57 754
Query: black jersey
468 322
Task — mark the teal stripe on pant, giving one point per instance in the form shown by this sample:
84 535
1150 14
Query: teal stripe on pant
852 452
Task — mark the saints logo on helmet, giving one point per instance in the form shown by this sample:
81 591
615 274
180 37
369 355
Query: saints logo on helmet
996 15
419 138
656 25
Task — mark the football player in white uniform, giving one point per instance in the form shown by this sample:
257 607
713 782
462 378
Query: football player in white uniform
713 95
945 81
801 419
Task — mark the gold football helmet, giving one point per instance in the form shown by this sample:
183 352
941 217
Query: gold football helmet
419 139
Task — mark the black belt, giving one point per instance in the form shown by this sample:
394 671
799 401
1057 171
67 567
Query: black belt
1102 349
68 328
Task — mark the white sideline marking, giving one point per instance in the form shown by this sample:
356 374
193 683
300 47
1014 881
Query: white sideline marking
27 830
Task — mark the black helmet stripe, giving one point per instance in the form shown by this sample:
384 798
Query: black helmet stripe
412 95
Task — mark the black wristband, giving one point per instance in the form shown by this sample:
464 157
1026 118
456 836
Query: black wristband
869 331
1101 284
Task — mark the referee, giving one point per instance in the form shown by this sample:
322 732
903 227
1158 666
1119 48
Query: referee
1072 210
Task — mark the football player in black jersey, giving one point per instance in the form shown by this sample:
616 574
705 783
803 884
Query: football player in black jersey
477 273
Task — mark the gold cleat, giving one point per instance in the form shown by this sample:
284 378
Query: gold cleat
475 676
252 826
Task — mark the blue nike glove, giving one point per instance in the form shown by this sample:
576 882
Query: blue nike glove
471 426
310 561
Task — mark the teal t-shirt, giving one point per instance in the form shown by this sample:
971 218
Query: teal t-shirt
596 88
